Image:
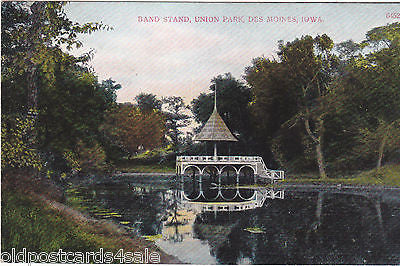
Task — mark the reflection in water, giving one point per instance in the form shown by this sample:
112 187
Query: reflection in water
303 228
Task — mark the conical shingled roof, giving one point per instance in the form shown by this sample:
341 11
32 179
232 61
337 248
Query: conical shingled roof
215 130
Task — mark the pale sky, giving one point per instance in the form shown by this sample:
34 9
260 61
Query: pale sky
179 58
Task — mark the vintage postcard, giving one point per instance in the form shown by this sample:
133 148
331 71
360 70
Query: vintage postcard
200 132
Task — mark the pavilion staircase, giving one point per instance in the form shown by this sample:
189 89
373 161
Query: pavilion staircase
264 172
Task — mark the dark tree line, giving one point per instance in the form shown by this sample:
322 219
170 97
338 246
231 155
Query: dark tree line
57 117
317 105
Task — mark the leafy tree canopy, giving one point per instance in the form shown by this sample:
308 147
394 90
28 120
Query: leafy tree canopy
147 102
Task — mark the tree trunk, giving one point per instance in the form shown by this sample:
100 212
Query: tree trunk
320 160
32 88
37 9
380 156
318 146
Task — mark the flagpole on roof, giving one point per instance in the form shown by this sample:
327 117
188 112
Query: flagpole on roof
215 96
215 109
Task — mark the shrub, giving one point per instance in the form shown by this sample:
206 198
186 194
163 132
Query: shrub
16 151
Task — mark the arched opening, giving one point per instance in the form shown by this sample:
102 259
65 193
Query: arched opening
228 182
246 178
210 182
228 176
191 182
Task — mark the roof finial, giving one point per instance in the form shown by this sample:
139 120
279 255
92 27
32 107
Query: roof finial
215 96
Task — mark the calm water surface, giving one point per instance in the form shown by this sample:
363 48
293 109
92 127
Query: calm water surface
311 227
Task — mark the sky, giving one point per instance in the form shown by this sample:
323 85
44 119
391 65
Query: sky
178 55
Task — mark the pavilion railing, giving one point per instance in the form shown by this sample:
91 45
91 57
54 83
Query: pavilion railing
201 158
273 174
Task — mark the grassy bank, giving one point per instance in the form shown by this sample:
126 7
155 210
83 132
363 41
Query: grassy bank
135 167
388 175
39 224
28 223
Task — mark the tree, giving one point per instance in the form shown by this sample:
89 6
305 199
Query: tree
109 88
71 109
312 65
297 85
371 93
176 117
348 50
39 30
33 38
15 152
233 99
385 138
274 102
147 102
131 128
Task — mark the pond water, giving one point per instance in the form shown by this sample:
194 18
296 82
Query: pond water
306 227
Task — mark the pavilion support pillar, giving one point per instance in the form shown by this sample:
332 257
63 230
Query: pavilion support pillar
215 149
200 184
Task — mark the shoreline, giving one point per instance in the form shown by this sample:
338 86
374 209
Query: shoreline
22 192
114 229
165 178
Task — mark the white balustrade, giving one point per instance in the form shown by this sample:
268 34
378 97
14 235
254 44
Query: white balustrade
219 159
261 167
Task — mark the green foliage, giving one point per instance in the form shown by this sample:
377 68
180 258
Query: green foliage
134 130
345 103
36 32
369 98
72 160
75 105
385 138
29 224
302 155
272 90
233 99
135 167
388 175
70 102
296 85
15 149
176 117
387 36
147 102
91 157
108 89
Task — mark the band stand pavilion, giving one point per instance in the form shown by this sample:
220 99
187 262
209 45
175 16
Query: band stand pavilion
215 130
218 183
